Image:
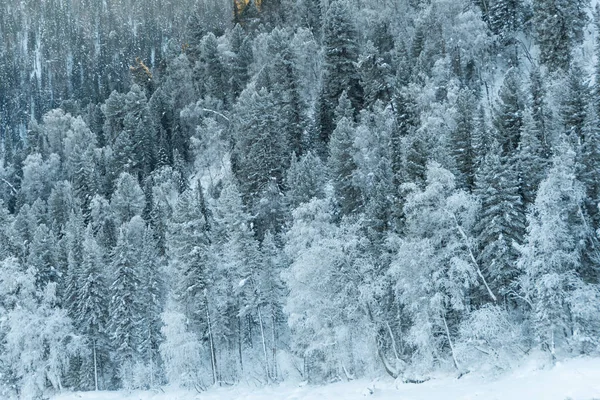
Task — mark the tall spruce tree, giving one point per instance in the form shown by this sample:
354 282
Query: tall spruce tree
559 28
340 41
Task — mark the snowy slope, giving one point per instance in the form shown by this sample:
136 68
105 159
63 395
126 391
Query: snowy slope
577 379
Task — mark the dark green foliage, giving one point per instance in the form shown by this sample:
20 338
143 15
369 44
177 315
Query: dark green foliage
508 113
463 148
574 104
342 167
502 219
505 18
340 73
262 151
559 28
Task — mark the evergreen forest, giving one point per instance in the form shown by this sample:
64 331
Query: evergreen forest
207 192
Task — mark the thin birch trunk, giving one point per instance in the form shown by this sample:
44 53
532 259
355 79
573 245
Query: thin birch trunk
450 343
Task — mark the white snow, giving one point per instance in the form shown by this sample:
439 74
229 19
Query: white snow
576 379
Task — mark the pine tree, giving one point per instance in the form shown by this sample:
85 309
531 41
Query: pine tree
341 53
212 69
342 167
285 86
407 117
188 246
42 256
152 299
505 18
126 308
587 174
574 104
91 315
376 77
61 203
558 27
242 48
531 159
508 113
128 199
463 149
540 111
305 179
310 12
261 152
233 283
502 219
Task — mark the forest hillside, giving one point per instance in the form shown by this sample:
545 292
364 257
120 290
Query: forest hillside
205 193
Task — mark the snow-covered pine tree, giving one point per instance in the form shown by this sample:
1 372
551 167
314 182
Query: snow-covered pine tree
342 167
531 159
558 29
189 241
575 103
284 84
508 113
91 315
305 179
501 219
340 41
126 307
127 200
463 149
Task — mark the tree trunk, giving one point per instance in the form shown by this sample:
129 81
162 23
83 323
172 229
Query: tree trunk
450 343
240 336
274 340
213 358
264 344
95 364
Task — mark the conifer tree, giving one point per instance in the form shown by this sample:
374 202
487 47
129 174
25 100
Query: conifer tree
128 199
539 110
241 47
505 18
574 104
305 179
261 152
463 149
213 71
91 315
531 159
558 27
284 84
188 246
42 256
502 219
508 113
342 167
152 298
126 308
341 53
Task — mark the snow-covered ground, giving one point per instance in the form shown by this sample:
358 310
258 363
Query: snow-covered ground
577 379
